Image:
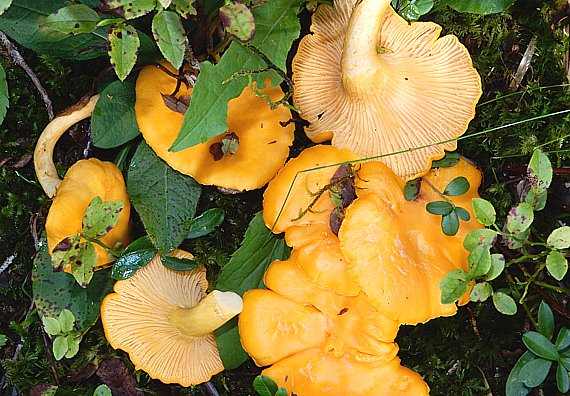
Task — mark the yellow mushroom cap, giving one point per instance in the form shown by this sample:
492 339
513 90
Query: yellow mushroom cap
164 321
263 141
293 189
377 84
85 180
396 250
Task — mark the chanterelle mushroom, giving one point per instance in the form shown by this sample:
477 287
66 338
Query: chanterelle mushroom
255 146
377 84
165 322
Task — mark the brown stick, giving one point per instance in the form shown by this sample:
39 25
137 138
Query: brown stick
19 60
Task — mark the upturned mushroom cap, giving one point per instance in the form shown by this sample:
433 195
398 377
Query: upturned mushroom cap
396 250
377 84
165 322
84 181
320 342
263 143
293 189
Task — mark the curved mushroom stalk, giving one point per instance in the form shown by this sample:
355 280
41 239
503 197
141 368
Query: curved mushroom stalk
43 153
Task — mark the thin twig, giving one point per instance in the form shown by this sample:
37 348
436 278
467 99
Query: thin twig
18 347
19 60
7 262
51 360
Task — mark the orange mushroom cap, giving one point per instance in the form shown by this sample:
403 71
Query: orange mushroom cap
319 341
294 188
396 251
84 181
377 84
263 142
165 322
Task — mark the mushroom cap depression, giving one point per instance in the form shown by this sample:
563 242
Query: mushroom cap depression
84 181
396 250
263 143
140 318
377 84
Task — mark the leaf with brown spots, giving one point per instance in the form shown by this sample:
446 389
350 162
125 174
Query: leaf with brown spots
100 217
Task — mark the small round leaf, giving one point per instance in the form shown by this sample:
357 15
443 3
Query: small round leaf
520 218
559 238
556 264
412 190
59 347
450 224
540 345
458 186
480 237
439 208
481 292
497 267
484 211
453 286
51 325
504 303
462 213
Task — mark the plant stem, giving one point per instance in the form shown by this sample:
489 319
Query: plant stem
557 289
100 243
434 188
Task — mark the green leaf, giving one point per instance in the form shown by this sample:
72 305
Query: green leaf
74 19
565 361
238 21
450 159
504 303
169 34
3 340
480 237
540 170
56 291
4 103
513 243
124 43
205 223
540 345
100 217
23 23
439 208
556 264
82 266
479 261
59 347
229 345
545 320
245 271
562 380
66 320
462 213
412 189
178 264
277 27
536 198
113 122
184 8
450 224
479 6
73 341
520 218
264 385
484 211
559 238
481 292
413 9
164 198
51 325
453 286
102 390
515 386
136 256
4 5
133 8
497 267
563 339
282 392
534 372
456 187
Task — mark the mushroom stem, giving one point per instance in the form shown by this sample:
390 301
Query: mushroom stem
360 61
211 312
43 154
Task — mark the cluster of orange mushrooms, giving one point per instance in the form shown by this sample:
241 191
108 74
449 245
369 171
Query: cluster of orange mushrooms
375 85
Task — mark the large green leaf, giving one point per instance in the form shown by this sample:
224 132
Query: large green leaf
113 122
479 6
169 34
243 272
55 291
164 198
75 19
277 26
515 385
23 20
4 103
